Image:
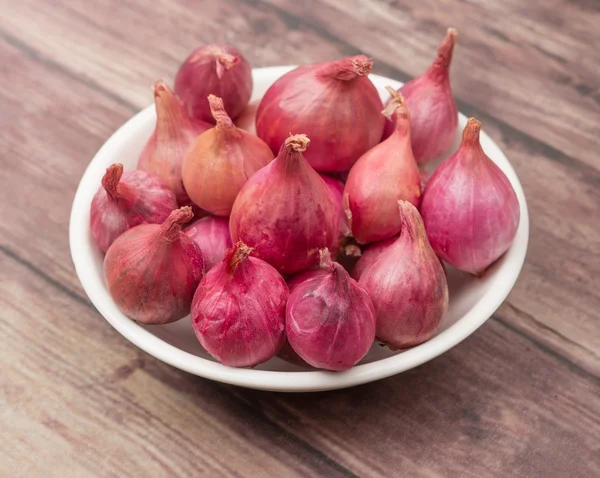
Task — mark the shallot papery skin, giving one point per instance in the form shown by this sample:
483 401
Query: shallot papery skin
286 352
211 233
152 270
219 70
220 161
286 211
370 255
334 103
126 200
336 187
433 112
381 177
330 319
238 311
297 279
470 209
407 286
175 131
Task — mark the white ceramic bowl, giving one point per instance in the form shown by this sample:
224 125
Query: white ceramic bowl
472 300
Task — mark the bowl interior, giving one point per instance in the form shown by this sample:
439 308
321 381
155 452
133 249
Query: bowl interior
472 300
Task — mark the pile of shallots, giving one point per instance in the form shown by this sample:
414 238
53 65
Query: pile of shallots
241 226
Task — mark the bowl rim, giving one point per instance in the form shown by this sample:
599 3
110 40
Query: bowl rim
288 381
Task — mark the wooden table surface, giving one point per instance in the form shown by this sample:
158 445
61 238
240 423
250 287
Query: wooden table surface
520 397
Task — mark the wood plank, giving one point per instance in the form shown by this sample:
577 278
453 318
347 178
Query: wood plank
531 66
558 216
124 413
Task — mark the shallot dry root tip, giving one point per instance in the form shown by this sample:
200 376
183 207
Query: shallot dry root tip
228 60
362 65
396 104
325 259
217 108
471 131
159 88
352 250
352 67
172 226
297 142
225 62
111 179
239 253
395 94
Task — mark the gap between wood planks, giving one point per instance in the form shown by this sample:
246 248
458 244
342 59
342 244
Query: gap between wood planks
84 301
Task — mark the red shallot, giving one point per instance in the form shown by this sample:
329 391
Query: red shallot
381 177
407 286
152 270
470 210
174 133
330 319
433 112
370 255
238 311
211 233
285 211
220 161
219 70
334 103
126 200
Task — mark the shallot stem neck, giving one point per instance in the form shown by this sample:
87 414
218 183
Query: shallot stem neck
412 223
110 181
290 159
218 112
439 69
349 68
238 254
397 105
397 111
342 281
470 136
170 229
170 113
325 260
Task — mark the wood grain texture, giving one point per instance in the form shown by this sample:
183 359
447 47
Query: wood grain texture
518 398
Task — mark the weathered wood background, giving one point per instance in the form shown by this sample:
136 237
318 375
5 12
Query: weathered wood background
521 397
